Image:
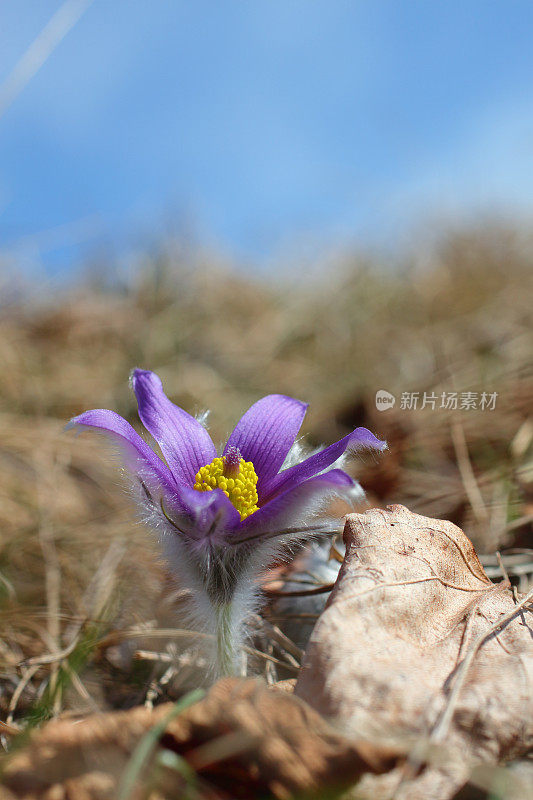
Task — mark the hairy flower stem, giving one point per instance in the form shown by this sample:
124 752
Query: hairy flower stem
226 645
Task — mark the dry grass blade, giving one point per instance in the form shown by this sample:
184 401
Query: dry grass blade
467 473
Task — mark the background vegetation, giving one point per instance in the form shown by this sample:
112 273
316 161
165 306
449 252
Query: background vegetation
81 588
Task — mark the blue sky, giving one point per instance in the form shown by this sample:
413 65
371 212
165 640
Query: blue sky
263 123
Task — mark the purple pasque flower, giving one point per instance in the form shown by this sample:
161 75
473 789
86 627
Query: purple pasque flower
263 438
222 517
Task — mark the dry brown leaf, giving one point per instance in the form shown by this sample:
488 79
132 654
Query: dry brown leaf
408 647
243 740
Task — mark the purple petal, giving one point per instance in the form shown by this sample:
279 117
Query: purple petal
185 443
140 458
295 505
266 433
209 513
290 478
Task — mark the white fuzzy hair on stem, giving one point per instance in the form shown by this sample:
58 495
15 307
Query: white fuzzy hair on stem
222 584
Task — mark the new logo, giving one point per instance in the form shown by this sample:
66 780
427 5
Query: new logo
384 400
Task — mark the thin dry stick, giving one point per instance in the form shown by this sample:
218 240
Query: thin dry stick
80 687
146 655
182 660
9 587
253 652
150 633
156 686
326 587
9 730
467 473
97 594
506 576
517 523
52 577
311 581
50 658
439 730
292 616
467 630
499 505
271 673
280 638
26 678
100 588
442 724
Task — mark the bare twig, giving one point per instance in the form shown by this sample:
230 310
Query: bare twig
24 681
506 576
281 639
9 730
253 652
52 572
443 723
467 473
324 589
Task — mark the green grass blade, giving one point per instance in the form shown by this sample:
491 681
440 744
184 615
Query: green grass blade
148 743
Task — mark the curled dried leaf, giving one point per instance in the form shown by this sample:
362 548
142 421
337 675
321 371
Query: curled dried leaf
418 644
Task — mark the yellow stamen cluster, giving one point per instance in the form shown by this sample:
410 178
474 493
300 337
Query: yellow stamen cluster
241 489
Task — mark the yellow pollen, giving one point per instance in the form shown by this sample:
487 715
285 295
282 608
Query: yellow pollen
240 487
